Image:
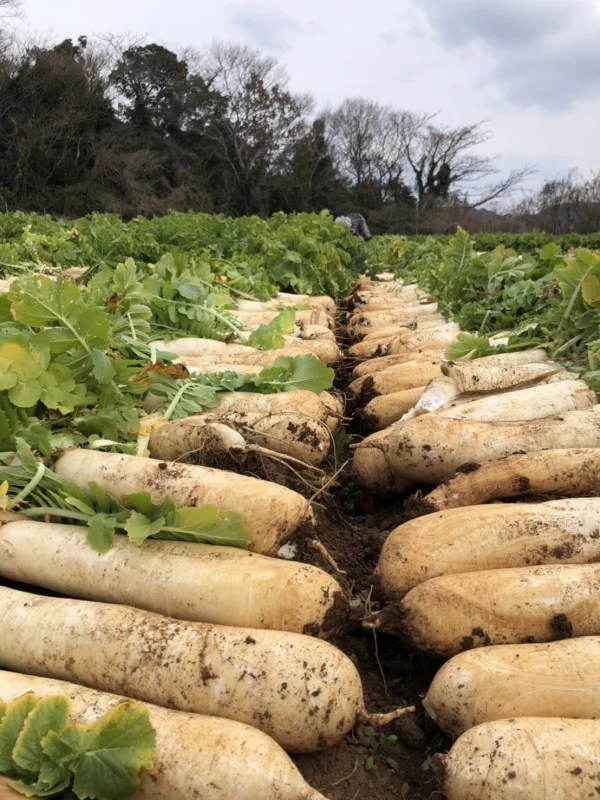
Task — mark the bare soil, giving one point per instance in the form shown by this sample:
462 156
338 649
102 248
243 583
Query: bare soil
353 529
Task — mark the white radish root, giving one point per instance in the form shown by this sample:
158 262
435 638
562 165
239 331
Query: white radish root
196 756
193 582
272 513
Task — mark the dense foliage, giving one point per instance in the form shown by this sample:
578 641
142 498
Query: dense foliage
547 296
76 356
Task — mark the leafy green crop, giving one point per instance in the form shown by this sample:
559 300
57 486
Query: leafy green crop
37 492
45 754
546 298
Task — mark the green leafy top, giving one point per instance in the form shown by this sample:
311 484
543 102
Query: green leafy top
35 491
47 755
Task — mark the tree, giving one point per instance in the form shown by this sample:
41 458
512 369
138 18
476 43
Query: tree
259 124
52 111
443 160
365 142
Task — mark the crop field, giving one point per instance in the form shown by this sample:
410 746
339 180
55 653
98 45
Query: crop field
289 516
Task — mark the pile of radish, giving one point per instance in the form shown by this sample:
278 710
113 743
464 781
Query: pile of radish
225 645
509 592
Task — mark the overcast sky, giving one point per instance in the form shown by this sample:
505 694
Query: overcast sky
529 67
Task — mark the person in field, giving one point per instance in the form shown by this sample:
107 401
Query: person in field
356 223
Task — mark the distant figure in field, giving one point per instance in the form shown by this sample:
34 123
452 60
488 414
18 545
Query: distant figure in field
356 223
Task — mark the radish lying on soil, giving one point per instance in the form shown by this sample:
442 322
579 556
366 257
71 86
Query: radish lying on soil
430 449
401 378
196 756
324 406
489 537
324 349
559 679
537 759
195 582
264 317
205 438
498 371
359 330
400 342
452 613
371 472
559 472
272 513
381 412
524 405
374 365
303 692
482 375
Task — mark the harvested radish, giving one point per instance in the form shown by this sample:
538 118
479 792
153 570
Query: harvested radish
430 449
483 375
381 412
374 365
271 512
489 537
558 679
194 582
371 472
208 436
537 759
559 472
303 692
196 756
401 378
523 405
504 606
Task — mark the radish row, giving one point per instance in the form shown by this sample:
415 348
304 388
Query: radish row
510 593
225 645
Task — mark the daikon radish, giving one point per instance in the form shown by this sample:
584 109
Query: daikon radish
323 349
303 692
194 582
264 317
374 365
430 449
381 412
410 375
537 759
489 537
6 790
371 472
291 433
524 405
504 606
321 300
358 330
413 340
392 314
213 367
438 394
272 513
371 349
559 679
195 756
275 304
192 346
560 472
386 332
324 406
475 376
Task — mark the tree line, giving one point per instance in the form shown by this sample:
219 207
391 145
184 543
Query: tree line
132 127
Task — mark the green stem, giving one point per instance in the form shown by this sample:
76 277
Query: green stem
175 402
31 485
55 512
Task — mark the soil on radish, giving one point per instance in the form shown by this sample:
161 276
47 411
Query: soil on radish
353 529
